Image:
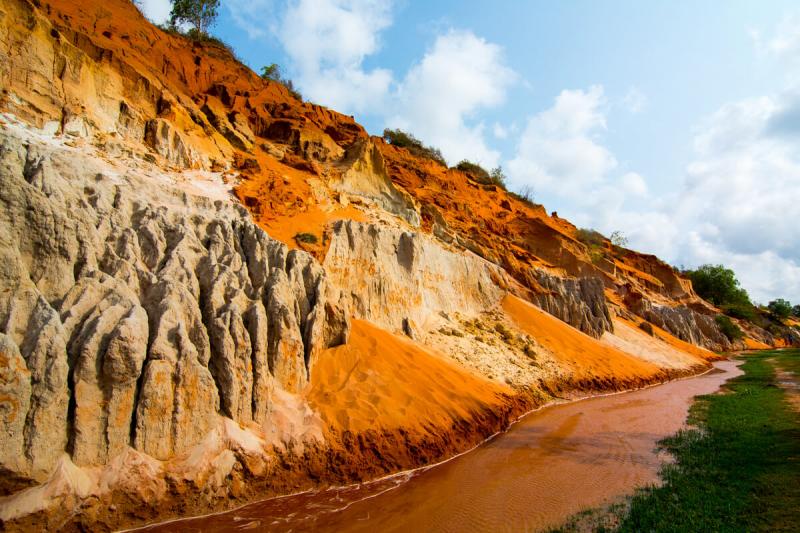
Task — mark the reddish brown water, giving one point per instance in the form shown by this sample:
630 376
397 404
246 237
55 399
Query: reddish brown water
550 465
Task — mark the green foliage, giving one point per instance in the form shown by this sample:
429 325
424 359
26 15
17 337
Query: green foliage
718 285
307 238
736 471
780 308
405 140
728 328
495 177
200 14
590 237
743 310
796 311
273 73
480 174
498 177
594 241
618 239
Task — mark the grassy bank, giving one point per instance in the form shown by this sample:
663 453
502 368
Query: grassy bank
737 470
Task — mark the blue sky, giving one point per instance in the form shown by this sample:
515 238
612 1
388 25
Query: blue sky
677 122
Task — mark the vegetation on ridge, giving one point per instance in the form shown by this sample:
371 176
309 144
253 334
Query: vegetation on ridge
401 139
200 14
273 73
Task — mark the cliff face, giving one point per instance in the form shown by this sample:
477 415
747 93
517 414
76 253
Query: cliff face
161 329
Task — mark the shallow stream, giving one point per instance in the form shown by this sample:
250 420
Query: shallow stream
551 464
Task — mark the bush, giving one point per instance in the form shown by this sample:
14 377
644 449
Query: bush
796 311
743 310
780 308
405 140
589 237
307 238
477 172
498 177
718 285
728 328
273 73
201 38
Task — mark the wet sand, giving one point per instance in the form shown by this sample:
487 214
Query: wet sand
551 464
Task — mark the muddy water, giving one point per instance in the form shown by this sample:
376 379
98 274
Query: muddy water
551 464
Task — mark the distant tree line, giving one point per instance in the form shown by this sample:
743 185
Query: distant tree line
719 285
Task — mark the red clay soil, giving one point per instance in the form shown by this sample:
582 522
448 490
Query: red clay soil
514 233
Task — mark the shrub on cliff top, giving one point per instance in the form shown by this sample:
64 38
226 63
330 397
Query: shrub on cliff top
473 169
479 174
401 139
273 73
200 14
780 308
718 285
728 328
589 237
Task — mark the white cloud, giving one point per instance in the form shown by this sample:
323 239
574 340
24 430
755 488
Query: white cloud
156 10
499 131
633 184
558 150
327 42
785 39
635 100
744 185
736 203
459 75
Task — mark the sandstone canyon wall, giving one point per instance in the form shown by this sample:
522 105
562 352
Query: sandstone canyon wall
162 333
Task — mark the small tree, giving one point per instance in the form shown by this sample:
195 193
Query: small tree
200 14
618 239
718 285
271 72
780 308
728 328
498 176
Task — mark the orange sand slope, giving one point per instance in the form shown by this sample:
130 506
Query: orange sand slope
585 356
381 380
632 340
753 344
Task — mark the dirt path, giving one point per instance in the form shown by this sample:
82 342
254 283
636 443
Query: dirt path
789 382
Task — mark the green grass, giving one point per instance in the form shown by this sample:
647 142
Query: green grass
737 470
307 238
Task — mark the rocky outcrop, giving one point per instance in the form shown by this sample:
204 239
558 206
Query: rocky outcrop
135 315
580 302
686 324
399 279
364 174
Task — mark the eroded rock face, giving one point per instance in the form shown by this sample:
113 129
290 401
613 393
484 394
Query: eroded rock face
580 302
398 279
686 324
364 174
134 315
